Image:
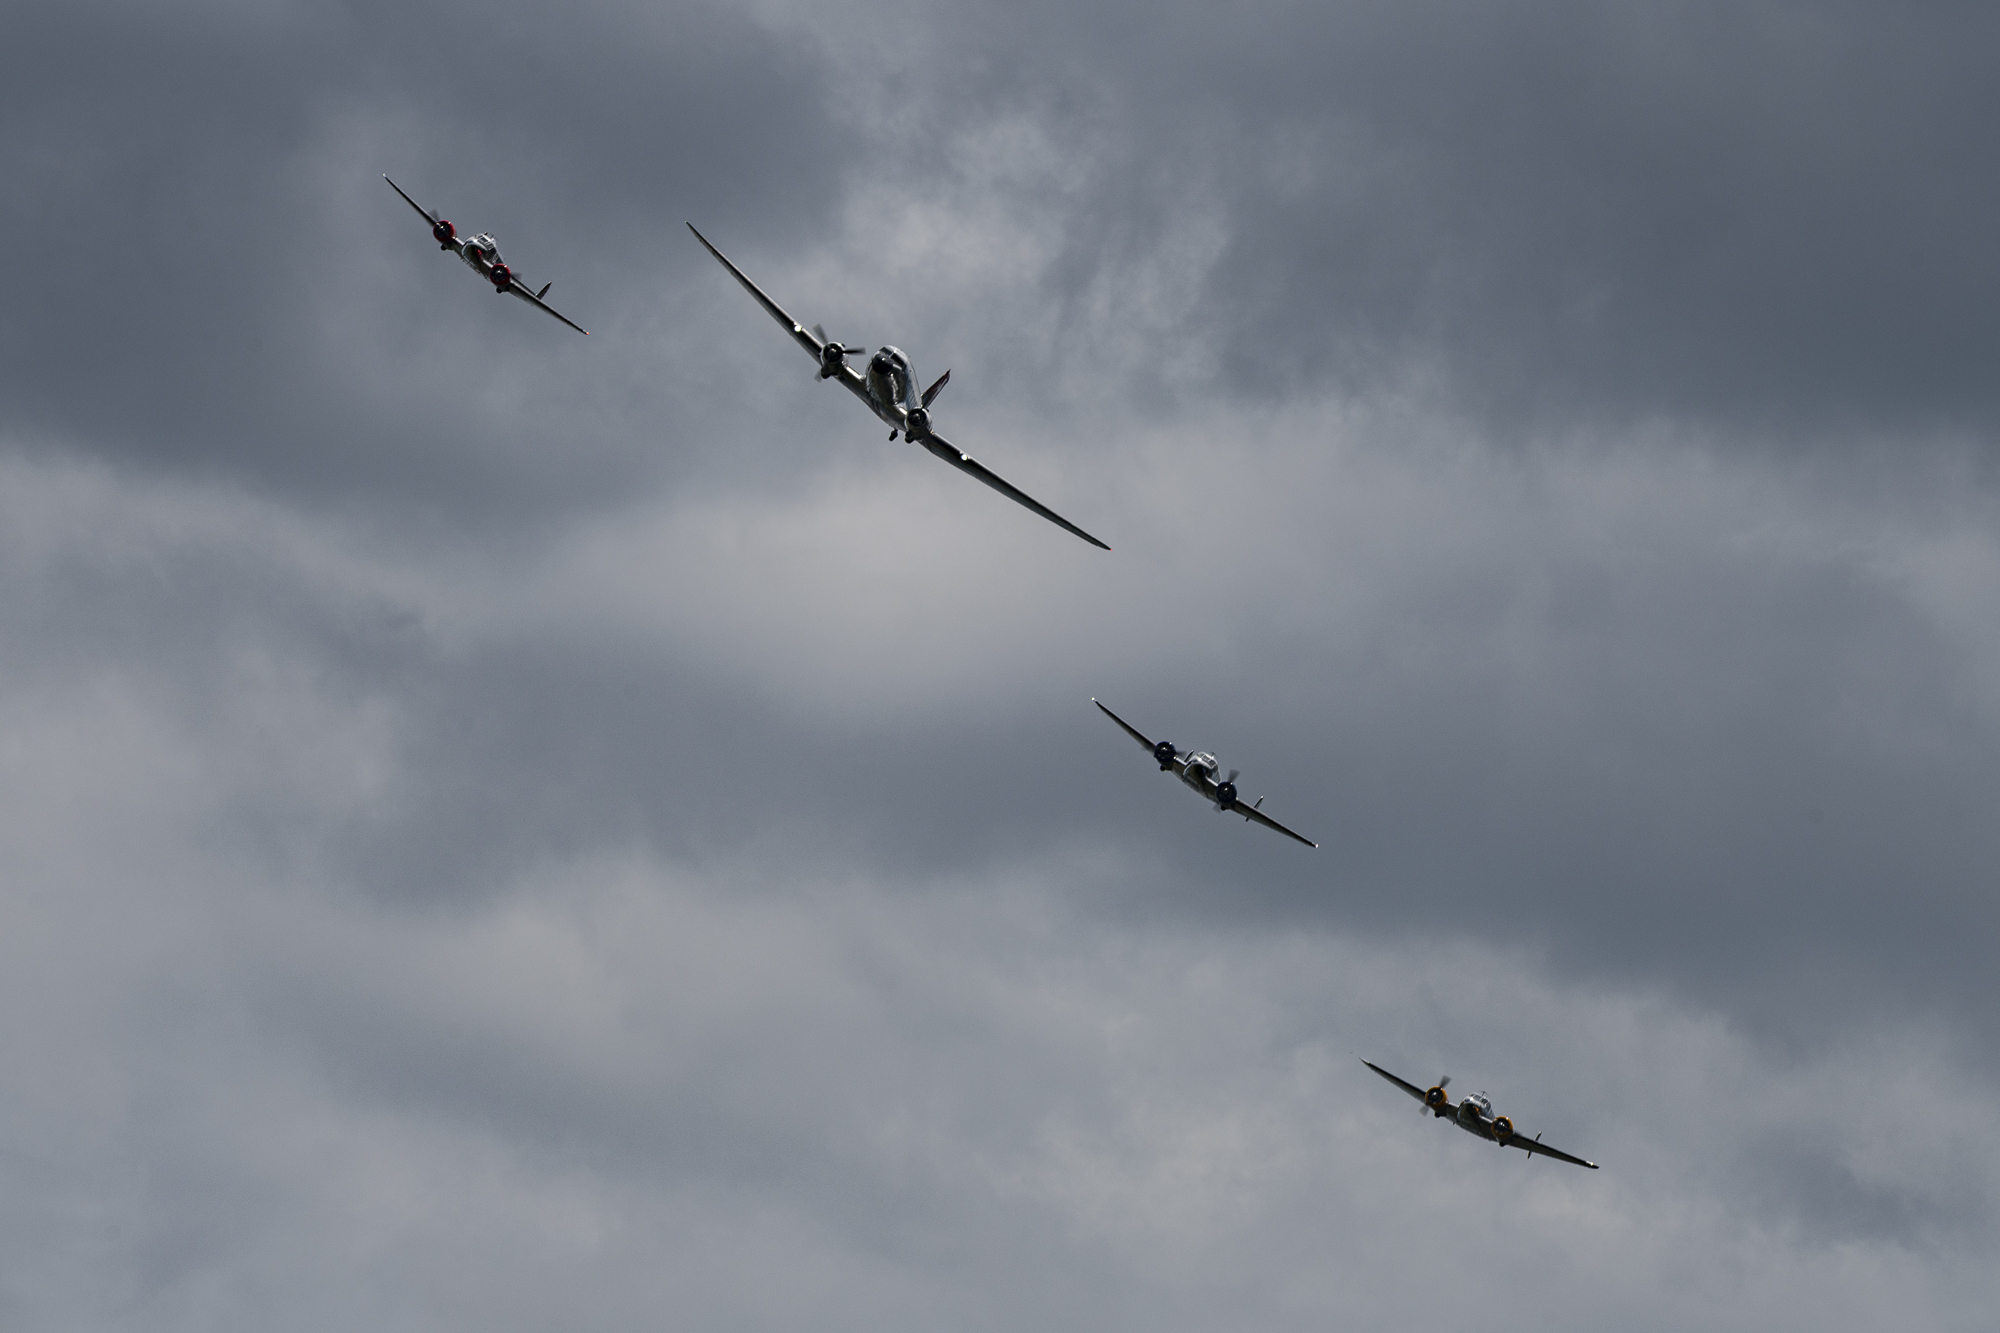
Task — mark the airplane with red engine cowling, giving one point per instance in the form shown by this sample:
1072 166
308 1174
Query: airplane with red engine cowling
1475 1115
1198 769
888 388
481 254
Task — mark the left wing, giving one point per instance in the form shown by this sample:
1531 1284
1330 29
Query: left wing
971 466
1253 813
1535 1145
800 333
516 288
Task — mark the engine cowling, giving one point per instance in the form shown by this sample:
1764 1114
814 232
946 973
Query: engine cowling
444 233
917 423
1503 1130
501 277
831 357
1163 754
1435 1098
1225 795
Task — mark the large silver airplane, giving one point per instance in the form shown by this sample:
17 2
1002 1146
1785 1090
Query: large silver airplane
1475 1115
1198 771
889 390
482 255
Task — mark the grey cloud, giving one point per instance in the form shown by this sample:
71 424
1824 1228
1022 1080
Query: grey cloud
509 829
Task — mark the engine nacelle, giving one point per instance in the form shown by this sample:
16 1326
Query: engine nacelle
1435 1099
1163 753
831 357
1225 795
501 277
444 233
917 423
1503 1130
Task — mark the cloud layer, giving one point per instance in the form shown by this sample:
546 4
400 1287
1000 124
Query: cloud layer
505 829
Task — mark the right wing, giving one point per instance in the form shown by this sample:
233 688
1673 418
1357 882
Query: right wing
1410 1088
800 333
516 288
1252 812
969 465
1130 730
427 215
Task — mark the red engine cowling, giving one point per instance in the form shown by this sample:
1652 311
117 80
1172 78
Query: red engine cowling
501 276
1503 1130
444 233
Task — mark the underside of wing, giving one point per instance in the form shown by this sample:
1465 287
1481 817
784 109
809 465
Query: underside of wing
1130 730
1251 812
800 333
967 464
1410 1088
515 288
1535 1146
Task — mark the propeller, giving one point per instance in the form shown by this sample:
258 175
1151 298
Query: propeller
917 424
1165 754
1436 1096
1225 795
832 355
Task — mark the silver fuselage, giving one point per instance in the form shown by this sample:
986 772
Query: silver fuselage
1199 774
480 253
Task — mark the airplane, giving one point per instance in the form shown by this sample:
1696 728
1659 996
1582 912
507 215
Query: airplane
1198 771
482 255
1475 1115
889 390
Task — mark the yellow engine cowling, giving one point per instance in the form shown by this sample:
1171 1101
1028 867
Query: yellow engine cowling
1503 1130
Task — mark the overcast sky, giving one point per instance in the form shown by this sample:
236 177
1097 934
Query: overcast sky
502 830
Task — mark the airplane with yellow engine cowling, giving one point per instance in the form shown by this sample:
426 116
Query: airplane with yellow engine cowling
889 389
1475 1115
481 254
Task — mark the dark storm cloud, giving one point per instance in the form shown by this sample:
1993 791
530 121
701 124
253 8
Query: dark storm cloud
492 813
1771 215
195 206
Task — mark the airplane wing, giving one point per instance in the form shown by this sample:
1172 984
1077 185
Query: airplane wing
969 465
800 333
1533 1146
1251 812
1130 730
1410 1088
515 288
427 215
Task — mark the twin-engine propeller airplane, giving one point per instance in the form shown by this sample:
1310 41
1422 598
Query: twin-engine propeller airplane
482 256
1475 1115
889 390
1198 771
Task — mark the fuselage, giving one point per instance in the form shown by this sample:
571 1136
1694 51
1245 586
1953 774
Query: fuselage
1199 774
481 254
1475 1116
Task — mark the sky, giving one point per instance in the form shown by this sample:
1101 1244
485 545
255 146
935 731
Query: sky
504 830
